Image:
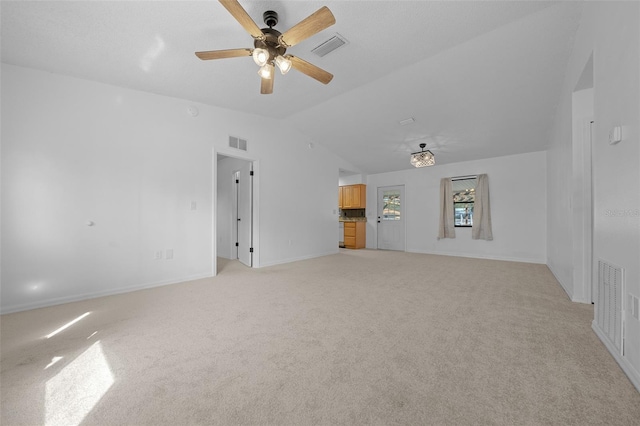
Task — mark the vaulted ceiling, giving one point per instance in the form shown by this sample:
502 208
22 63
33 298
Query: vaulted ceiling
480 78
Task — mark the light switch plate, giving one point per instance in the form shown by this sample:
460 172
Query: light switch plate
615 135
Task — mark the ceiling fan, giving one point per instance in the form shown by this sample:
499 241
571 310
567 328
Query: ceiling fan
270 45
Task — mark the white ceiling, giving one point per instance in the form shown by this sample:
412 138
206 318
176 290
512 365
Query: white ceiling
481 78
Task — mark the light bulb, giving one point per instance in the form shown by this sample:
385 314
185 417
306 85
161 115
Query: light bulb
266 71
283 63
260 56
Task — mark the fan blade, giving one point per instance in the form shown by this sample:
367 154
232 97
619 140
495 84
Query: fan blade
222 54
311 70
266 84
312 24
243 18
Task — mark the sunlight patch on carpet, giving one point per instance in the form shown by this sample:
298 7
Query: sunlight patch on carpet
54 360
77 388
67 325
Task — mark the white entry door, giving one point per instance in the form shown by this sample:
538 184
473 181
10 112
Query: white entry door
391 218
245 217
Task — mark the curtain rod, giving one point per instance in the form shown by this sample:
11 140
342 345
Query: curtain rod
464 177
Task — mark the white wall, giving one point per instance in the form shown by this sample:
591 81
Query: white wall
611 31
566 178
75 151
517 187
352 179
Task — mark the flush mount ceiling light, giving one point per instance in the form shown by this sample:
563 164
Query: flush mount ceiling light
423 158
270 44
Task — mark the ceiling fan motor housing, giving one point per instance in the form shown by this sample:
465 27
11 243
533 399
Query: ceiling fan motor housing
270 43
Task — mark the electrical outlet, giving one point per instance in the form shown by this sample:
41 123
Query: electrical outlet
158 255
194 205
169 254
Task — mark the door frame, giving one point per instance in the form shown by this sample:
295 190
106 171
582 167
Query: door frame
589 210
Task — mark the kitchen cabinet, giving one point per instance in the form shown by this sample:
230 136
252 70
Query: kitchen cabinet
340 196
353 196
355 235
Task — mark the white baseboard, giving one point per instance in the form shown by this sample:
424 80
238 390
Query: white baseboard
76 298
627 368
477 256
296 259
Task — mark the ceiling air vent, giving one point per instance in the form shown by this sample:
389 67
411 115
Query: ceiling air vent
237 143
330 45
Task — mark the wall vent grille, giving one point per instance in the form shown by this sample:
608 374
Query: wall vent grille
329 45
237 143
609 302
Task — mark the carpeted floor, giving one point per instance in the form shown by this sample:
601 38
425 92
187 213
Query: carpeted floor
361 337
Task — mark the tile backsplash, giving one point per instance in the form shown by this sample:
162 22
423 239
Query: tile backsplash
352 213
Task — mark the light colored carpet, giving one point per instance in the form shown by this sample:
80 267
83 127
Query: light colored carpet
361 337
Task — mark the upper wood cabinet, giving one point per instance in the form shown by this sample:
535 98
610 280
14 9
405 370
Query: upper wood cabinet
340 196
353 196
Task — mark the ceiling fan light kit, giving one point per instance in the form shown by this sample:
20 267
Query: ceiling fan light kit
265 71
423 158
283 63
260 56
270 45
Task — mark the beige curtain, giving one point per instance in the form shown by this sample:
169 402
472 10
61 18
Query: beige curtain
446 228
481 229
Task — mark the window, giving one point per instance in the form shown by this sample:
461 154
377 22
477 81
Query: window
464 194
391 205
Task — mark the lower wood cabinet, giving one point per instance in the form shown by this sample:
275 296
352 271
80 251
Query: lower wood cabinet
355 236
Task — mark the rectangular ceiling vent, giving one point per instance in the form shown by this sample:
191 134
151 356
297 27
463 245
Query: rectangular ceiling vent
330 45
237 143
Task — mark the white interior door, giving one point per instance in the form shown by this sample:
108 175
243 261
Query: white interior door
391 231
233 220
588 195
245 217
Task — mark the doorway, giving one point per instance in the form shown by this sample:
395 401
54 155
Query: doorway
581 203
243 213
235 210
391 228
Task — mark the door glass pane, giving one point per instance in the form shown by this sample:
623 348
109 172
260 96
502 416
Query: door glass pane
391 205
